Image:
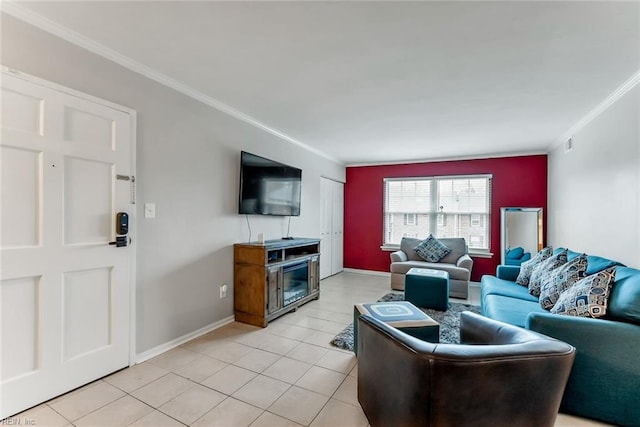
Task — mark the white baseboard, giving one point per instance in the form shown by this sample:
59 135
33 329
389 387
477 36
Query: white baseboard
155 351
371 272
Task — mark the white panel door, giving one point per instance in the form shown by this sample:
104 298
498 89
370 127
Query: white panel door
64 291
326 216
337 227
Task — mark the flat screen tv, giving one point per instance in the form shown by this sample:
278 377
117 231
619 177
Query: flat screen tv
268 187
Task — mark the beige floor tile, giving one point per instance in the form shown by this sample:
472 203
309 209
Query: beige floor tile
227 350
337 413
157 419
565 420
348 391
321 325
229 379
338 361
121 412
76 405
322 339
278 345
192 404
257 360
267 419
354 371
261 391
201 368
229 413
307 352
287 370
133 378
321 380
41 415
162 390
299 405
252 339
175 358
291 331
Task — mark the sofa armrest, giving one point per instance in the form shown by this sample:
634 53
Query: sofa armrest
596 336
508 272
465 261
398 256
605 380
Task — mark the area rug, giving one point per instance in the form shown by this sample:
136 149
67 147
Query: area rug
449 322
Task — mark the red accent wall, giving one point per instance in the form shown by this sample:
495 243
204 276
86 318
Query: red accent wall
517 181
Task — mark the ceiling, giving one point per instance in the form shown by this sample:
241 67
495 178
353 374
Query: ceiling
385 81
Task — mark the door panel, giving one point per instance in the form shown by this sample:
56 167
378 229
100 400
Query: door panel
337 210
87 311
325 227
20 305
88 207
65 292
21 204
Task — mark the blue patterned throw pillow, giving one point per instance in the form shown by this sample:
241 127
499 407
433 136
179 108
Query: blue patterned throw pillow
587 297
560 279
527 267
432 249
544 270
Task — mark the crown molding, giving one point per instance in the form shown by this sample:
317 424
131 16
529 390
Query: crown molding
599 109
24 14
450 159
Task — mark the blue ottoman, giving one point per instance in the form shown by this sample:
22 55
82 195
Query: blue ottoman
401 315
427 288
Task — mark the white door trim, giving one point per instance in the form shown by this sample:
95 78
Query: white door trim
132 215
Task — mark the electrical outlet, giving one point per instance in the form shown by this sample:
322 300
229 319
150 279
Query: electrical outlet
223 290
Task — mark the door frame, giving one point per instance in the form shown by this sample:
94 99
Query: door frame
133 214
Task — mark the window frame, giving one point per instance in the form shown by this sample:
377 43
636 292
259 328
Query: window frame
486 252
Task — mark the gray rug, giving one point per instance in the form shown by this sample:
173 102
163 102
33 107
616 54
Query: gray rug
449 322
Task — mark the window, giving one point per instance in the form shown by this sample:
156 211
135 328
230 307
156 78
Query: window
455 206
410 219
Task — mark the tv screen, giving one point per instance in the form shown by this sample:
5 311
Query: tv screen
268 187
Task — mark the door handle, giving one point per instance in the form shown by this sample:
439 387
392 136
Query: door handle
120 242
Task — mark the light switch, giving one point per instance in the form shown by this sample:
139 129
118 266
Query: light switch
149 210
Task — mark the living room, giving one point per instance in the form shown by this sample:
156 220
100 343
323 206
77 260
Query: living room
574 80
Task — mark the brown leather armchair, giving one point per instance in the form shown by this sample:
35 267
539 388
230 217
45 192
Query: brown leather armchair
516 378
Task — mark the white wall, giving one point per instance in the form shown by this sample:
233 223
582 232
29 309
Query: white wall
594 189
188 158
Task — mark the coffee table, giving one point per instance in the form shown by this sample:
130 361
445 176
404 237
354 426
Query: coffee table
401 315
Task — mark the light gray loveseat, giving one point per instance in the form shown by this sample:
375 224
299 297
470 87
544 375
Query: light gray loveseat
457 263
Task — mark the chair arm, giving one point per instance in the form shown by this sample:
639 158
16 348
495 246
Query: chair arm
465 261
508 272
398 256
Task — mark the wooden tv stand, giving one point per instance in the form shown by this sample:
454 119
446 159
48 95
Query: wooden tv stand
274 278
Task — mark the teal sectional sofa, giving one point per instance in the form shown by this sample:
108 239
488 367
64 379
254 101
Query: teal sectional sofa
605 380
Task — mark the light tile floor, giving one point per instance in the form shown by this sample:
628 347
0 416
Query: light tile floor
284 375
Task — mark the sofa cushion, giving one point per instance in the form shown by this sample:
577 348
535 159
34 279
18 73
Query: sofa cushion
515 253
527 267
431 249
560 279
455 272
587 297
624 301
457 245
594 263
492 285
510 310
544 271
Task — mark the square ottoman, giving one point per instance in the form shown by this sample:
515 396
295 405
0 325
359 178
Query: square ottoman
427 288
401 315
